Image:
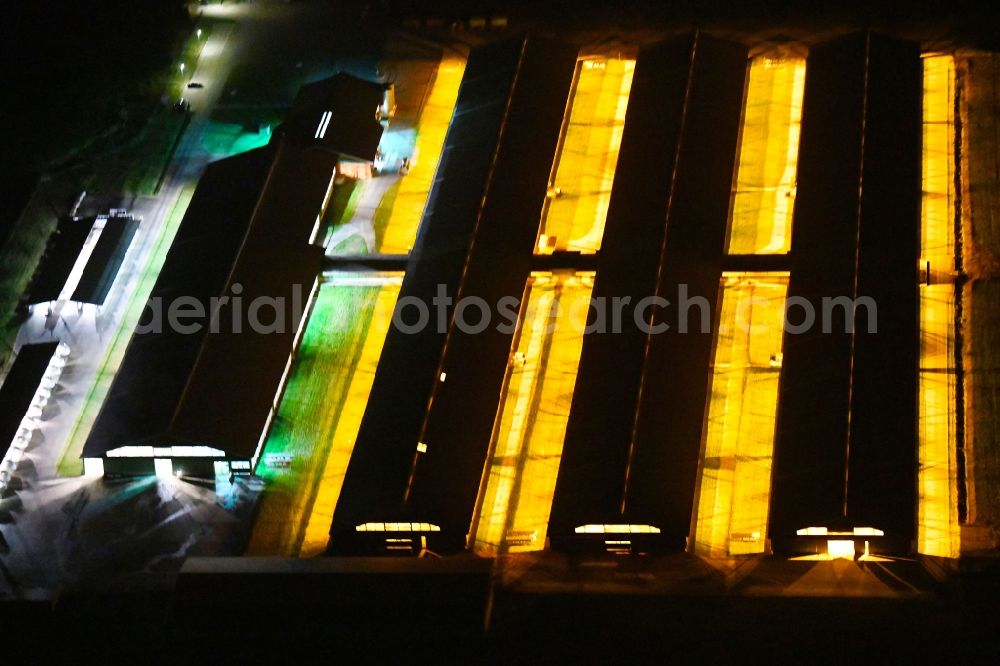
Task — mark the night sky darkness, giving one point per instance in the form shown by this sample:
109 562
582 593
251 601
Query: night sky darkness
75 68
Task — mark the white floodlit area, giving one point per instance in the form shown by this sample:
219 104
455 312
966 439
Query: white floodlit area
81 261
33 416
397 527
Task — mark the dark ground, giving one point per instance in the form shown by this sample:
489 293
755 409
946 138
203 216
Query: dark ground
959 625
79 68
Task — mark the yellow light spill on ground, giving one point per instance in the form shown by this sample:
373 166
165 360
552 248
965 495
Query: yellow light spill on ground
408 207
585 169
320 413
734 494
528 440
349 422
938 528
764 192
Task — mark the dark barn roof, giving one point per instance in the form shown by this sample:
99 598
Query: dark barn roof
19 388
106 259
350 129
143 398
229 397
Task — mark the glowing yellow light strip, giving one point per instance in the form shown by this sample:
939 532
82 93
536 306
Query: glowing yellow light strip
585 171
408 207
734 494
528 441
937 526
764 192
321 515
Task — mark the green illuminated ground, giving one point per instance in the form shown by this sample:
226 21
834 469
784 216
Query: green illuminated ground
223 139
307 418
